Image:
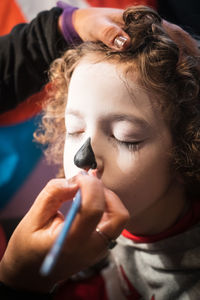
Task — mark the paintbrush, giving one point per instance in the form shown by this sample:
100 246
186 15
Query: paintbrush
52 256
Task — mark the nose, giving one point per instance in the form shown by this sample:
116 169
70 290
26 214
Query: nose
84 157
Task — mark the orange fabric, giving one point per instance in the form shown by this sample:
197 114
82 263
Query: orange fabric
122 3
23 111
10 14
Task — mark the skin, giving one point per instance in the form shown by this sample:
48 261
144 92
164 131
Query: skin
108 25
131 143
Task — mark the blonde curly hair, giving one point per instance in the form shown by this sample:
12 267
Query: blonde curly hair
167 60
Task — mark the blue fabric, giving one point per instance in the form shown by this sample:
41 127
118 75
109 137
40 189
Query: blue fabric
18 156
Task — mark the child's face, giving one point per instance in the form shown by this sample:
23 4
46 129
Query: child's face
129 137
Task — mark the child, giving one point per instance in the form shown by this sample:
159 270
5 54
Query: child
139 112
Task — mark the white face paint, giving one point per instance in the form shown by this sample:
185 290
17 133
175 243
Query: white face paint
129 138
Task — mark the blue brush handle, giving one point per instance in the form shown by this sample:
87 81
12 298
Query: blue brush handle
51 258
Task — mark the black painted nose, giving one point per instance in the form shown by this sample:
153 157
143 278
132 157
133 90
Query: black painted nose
85 158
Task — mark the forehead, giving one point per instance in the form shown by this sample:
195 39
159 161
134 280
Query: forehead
103 76
103 87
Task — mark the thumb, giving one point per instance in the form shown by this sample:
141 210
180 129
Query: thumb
50 199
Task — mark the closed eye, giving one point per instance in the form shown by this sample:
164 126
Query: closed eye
75 133
132 146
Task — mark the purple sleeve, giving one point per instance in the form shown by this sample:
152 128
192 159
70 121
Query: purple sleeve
68 30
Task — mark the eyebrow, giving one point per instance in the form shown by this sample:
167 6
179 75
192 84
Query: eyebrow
116 117
73 112
130 118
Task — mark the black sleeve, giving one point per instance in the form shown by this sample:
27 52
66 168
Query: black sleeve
25 55
185 13
6 293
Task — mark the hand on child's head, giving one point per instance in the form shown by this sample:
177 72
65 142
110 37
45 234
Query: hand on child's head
102 24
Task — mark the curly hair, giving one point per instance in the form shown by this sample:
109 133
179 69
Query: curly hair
167 61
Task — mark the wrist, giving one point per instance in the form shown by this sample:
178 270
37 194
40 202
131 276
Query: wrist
24 279
65 23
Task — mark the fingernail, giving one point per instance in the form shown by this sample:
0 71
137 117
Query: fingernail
119 41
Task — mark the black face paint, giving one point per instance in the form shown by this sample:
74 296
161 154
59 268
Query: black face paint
85 158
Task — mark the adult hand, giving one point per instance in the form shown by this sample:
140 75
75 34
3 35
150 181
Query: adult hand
103 24
99 24
37 231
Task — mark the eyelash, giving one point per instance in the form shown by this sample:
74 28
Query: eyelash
132 146
75 134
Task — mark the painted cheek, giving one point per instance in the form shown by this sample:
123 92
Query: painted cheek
68 160
125 159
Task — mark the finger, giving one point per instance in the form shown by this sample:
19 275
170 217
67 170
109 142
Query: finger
111 224
114 37
91 210
179 35
50 199
115 217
